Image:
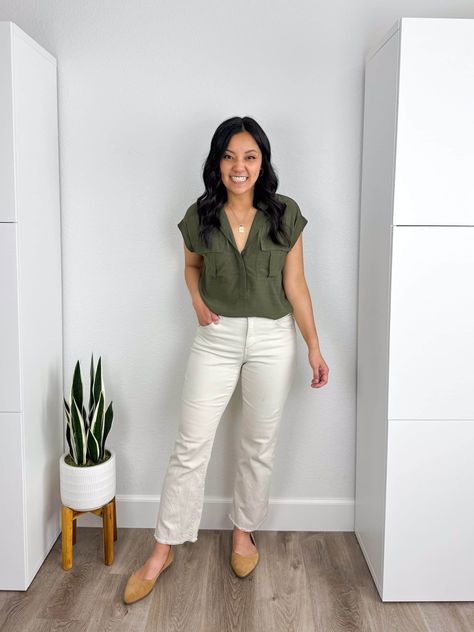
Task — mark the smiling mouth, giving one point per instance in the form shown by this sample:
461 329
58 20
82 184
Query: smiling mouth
239 178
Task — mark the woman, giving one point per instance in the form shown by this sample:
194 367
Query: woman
244 271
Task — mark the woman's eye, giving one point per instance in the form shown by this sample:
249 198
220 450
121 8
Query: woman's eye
229 156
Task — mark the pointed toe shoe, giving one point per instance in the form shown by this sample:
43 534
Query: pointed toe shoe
137 589
243 565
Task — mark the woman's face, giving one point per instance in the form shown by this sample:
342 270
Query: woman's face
243 160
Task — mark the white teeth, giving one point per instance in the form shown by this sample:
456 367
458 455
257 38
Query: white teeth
239 178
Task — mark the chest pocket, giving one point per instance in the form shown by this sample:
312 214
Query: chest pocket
271 257
219 260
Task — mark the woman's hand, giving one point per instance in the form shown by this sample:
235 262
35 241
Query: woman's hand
204 315
320 368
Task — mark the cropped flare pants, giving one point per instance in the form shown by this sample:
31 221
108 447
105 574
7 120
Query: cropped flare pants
263 350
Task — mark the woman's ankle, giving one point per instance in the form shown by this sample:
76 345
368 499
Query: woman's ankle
161 547
241 531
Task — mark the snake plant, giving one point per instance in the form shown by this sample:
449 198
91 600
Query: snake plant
86 431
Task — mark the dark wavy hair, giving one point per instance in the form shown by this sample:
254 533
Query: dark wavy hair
213 199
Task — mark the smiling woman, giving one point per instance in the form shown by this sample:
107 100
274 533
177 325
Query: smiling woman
244 272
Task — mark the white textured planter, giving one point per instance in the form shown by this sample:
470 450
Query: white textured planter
87 488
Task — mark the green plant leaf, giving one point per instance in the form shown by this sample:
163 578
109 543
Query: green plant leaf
109 415
97 429
67 411
91 394
93 447
76 388
78 435
84 416
68 425
98 385
68 438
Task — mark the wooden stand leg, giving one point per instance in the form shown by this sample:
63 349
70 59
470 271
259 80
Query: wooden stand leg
115 519
108 528
74 523
67 532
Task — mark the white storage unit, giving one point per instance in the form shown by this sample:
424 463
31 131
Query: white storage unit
414 515
31 362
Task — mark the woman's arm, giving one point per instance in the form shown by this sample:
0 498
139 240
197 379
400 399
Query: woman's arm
297 292
193 264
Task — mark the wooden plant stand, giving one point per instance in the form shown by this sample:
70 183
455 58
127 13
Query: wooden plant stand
68 526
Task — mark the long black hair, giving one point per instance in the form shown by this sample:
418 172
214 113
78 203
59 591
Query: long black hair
212 200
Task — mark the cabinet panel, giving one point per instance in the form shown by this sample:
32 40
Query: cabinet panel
431 348
429 511
7 186
9 333
435 132
12 542
374 300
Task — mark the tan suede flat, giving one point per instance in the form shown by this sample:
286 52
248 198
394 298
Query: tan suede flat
137 589
243 565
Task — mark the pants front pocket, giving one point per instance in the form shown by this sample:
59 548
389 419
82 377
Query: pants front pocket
286 322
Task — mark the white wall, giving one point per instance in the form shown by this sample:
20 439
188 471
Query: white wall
142 87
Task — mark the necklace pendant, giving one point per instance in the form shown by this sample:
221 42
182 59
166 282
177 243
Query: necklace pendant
241 228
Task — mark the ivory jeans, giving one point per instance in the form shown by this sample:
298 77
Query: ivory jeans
263 350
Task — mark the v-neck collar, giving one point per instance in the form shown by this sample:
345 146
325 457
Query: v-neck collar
226 228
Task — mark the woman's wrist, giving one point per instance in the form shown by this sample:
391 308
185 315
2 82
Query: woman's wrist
196 299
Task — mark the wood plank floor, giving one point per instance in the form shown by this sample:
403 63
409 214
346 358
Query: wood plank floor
304 582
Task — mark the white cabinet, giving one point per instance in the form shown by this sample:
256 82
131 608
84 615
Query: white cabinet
435 123
414 515
31 362
431 345
9 325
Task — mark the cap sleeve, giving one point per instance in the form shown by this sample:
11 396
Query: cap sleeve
183 227
298 222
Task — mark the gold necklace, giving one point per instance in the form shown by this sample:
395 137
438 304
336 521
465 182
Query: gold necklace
241 226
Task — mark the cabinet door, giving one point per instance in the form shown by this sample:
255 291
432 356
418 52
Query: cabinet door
435 129
431 347
429 511
7 177
9 327
12 504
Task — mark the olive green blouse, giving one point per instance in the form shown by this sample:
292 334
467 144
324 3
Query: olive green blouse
247 283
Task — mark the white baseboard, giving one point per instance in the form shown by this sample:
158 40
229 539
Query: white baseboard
284 514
